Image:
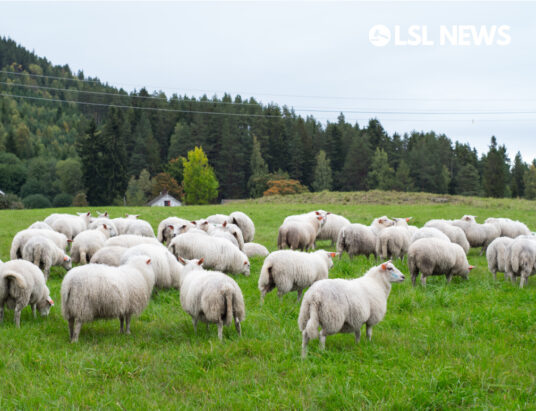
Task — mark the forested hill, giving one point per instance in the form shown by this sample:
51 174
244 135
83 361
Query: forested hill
57 148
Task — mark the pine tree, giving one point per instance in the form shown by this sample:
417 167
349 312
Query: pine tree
89 149
495 170
530 182
381 175
354 175
518 173
468 181
200 184
322 174
257 183
403 180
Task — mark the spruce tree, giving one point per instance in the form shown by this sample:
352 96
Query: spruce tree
257 183
354 175
403 180
518 173
381 174
495 170
322 174
468 181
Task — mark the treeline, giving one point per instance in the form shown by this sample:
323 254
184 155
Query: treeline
57 153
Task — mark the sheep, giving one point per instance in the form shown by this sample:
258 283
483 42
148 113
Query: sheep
289 271
129 240
496 255
211 297
68 224
229 229
478 235
109 255
218 253
167 227
88 242
254 249
23 283
299 232
40 225
508 227
44 254
343 306
358 239
140 227
455 234
521 259
166 268
217 218
23 236
331 229
393 242
202 224
96 291
428 232
245 224
103 220
432 256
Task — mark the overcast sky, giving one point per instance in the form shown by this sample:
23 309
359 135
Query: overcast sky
314 56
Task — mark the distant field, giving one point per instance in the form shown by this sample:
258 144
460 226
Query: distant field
469 344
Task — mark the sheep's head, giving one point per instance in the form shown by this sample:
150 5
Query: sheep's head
44 306
67 263
246 268
392 273
190 265
469 218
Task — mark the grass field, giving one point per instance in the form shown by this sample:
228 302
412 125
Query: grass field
469 344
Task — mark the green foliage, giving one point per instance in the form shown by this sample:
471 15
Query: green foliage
139 190
403 180
495 176
175 168
199 184
258 181
36 201
530 182
69 172
63 200
12 173
163 182
518 174
381 174
10 201
468 181
80 200
322 173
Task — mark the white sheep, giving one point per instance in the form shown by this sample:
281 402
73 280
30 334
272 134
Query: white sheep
496 255
289 271
217 218
359 239
331 229
166 268
23 236
211 297
169 226
255 249
508 227
455 234
40 225
343 306
96 291
218 253
88 242
109 255
393 242
235 233
478 235
432 256
521 259
428 232
140 227
245 224
69 224
129 240
96 222
23 283
300 231
44 254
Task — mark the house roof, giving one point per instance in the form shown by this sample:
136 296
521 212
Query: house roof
159 197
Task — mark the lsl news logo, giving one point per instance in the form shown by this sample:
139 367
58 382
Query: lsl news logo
455 35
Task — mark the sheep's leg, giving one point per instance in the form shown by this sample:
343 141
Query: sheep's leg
414 278
127 323
483 250
71 328
18 309
47 273
34 310
238 327
322 340
357 334
512 278
522 281
207 327
2 313
305 341
263 294
280 294
76 330
423 280
121 323
494 275
300 293
449 277
194 322
220 330
369 332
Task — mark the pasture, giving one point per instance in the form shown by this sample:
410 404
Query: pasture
469 344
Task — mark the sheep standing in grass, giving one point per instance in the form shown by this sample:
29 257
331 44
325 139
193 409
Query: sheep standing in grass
96 291
217 218
254 249
496 255
68 224
129 240
218 253
289 271
109 255
40 225
393 242
24 236
343 306
508 227
521 259
44 254
359 239
23 283
211 297
331 229
167 228
103 220
88 242
229 231
245 224
478 235
299 232
432 256
455 234
428 232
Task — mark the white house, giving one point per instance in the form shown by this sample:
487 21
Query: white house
164 200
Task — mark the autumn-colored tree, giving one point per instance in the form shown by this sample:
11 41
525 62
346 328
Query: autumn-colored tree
284 187
164 182
199 182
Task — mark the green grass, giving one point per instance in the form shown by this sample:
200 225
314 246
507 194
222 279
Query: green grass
469 344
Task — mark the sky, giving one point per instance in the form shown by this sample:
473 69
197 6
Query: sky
314 56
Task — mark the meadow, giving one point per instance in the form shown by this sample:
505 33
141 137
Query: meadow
468 344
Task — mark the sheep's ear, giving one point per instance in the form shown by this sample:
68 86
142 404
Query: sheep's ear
224 224
148 261
193 222
320 218
170 226
106 214
380 220
69 241
105 227
329 213
317 213
245 263
182 260
201 261
471 267
89 214
408 218
50 301
332 255
384 266
66 258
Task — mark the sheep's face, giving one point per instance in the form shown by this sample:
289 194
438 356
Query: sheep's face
385 221
391 272
246 268
331 256
44 306
67 263
469 218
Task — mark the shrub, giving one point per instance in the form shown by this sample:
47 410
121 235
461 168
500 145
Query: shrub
80 200
284 187
62 200
36 201
11 201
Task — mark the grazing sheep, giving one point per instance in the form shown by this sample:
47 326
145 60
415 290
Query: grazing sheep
44 254
343 306
217 218
23 283
300 231
254 249
103 220
428 232
130 240
508 227
23 236
245 224
202 224
496 255
478 235
229 229
96 291
359 239
168 227
166 268
140 227
331 229
88 242
211 297
109 255
40 225
455 234
393 242
123 224
69 224
289 271
432 256
521 259
217 253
